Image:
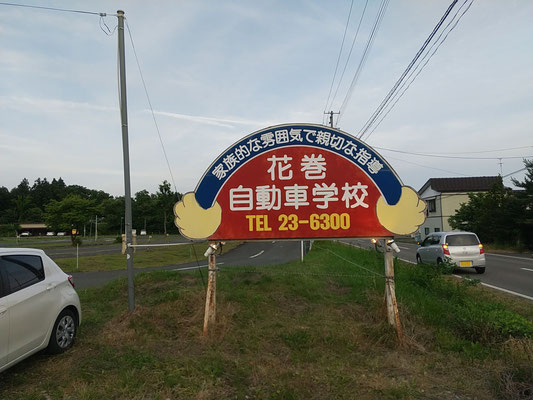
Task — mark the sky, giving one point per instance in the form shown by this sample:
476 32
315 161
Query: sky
216 71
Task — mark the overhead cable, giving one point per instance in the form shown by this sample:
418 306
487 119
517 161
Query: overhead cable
373 33
418 69
444 156
338 58
56 9
376 113
347 58
150 105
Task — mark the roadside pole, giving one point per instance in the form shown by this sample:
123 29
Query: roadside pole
211 296
390 292
126 157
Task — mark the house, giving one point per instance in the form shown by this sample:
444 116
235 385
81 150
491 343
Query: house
444 196
33 229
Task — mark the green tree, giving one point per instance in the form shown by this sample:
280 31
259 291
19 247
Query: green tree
527 197
70 213
6 206
495 215
113 211
166 198
145 211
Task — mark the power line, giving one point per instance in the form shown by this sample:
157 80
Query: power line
512 173
404 74
150 105
443 156
56 9
338 58
471 152
349 55
419 69
426 166
373 33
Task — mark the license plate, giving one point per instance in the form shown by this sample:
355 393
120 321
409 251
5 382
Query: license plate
465 263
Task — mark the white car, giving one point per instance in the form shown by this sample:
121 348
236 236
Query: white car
39 308
461 248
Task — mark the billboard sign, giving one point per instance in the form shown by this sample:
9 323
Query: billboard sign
299 181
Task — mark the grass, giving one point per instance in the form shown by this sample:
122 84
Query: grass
151 257
312 330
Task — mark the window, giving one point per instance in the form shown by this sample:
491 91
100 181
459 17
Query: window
437 229
426 231
462 240
21 271
432 206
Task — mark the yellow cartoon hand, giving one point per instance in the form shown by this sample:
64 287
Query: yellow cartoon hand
405 216
195 222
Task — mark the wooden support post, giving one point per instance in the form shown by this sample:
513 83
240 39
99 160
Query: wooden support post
393 315
210 300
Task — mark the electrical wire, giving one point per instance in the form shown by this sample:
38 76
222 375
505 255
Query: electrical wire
377 112
444 156
469 152
515 172
338 59
349 56
419 70
426 166
373 33
56 9
150 105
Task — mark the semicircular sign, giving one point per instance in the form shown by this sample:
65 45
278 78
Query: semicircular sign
299 181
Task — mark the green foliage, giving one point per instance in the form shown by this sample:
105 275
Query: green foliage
8 229
272 340
70 213
28 203
497 216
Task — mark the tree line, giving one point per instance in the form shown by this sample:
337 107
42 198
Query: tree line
64 207
501 215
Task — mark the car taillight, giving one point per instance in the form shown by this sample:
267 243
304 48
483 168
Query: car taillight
445 249
481 249
71 280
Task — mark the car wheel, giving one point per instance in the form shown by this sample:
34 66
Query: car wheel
418 259
480 270
64 332
439 261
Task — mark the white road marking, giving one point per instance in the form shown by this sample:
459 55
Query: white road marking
508 291
258 254
405 248
527 269
504 255
498 288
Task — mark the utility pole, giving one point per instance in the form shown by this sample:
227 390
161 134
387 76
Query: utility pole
331 117
95 227
393 315
125 151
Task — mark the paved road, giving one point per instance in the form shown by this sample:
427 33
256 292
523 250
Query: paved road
510 273
247 254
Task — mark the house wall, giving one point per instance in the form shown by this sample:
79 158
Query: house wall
450 204
433 222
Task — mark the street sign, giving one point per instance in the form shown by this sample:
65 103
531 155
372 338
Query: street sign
299 181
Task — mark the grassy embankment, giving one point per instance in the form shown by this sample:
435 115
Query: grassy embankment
300 331
151 257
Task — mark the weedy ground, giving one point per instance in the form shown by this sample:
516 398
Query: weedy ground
311 330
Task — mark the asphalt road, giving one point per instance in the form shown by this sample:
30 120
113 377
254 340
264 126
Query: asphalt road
510 272
247 254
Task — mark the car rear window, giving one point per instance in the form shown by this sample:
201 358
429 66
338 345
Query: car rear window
462 240
21 271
